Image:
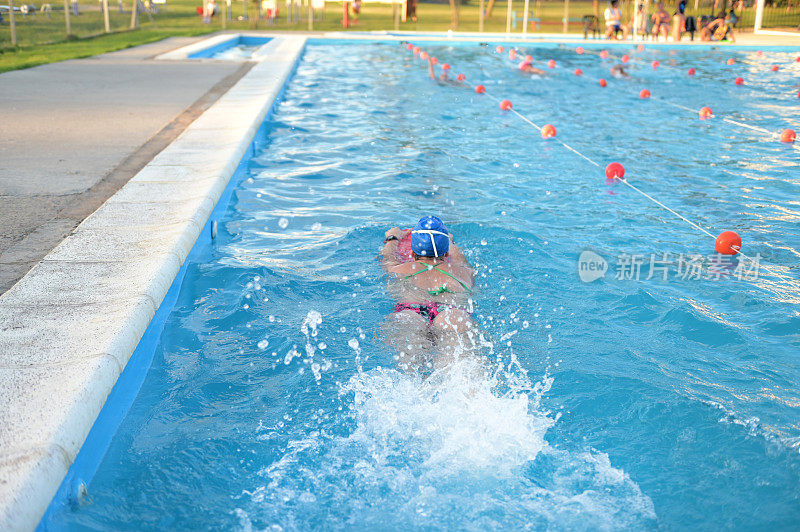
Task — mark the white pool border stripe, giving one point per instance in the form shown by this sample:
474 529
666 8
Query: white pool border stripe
68 328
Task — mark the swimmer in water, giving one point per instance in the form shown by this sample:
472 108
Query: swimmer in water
444 78
527 67
618 71
431 325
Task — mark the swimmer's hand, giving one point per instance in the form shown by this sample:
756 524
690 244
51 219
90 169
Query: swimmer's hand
395 232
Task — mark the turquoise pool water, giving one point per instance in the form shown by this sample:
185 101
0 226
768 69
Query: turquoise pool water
618 403
238 48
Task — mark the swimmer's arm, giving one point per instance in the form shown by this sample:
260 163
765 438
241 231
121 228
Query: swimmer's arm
389 250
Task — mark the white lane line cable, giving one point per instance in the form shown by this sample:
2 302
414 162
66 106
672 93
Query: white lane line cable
618 179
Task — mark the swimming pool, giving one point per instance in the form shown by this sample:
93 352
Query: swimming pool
236 48
621 403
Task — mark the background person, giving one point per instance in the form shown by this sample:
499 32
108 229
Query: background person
613 16
660 22
679 21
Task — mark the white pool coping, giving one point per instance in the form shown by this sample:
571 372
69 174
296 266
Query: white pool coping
68 328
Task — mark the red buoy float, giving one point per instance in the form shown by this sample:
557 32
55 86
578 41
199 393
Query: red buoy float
644 94
602 82
579 50
529 58
760 53
548 130
640 48
461 77
739 81
604 54
615 171
692 72
434 60
499 49
626 58
512 54
731 61
445 66
480 89
578 71
424 56
505 105
775 68
409 46
705 112
728 243
551 63
416 50
655 64
788 136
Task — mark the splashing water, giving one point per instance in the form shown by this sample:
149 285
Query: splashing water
461 446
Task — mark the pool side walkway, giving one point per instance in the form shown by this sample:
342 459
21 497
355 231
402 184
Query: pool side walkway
74 132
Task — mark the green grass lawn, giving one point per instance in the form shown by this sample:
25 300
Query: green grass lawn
42 39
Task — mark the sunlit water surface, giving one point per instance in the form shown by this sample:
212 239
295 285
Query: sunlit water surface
619 403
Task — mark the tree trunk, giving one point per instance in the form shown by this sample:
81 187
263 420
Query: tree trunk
453 15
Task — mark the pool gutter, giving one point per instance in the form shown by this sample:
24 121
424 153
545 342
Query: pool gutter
69 327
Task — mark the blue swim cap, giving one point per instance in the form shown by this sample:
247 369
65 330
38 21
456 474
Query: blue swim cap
430 238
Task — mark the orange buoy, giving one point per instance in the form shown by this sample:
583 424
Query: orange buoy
548 130
602 82
788 135
529 58
512 54
640 48
760 53
644 94
445 66
626 58
728 243
797 59
416 50
434 60
424 56
731 61
705 112
461 77
409 46
551 63
655 64
775 68
499 49
480 89
739 81
604 54
505 105
692 72
579 50
578 71
615 171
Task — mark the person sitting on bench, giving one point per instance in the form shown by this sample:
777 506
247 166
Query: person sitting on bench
613 16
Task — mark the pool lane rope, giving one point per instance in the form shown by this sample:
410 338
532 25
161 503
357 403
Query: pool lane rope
786 136
656 64
726 243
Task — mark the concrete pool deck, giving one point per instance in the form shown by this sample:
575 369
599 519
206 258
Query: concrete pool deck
68 327
74 132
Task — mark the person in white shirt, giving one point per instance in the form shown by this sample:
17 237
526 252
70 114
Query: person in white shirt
613 16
